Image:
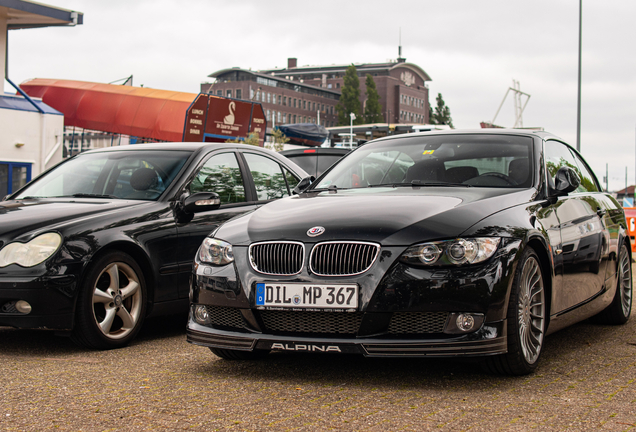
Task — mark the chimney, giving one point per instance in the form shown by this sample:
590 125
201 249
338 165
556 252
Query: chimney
291 63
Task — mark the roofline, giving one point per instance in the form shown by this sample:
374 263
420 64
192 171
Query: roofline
272 77
65 16
341 68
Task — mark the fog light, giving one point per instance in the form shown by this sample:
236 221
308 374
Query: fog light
201 314
23 307
465 322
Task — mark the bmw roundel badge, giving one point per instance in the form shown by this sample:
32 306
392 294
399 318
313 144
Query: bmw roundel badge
315 231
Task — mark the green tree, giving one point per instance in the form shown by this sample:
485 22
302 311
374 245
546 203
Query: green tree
372 109
279 140
252 139
441 115
350 98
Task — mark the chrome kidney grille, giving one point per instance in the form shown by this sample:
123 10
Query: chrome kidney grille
277 258
337 258
342 258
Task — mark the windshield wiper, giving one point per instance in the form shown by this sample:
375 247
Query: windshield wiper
417 183
89 195
330 188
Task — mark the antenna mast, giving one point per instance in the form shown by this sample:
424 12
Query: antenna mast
519 107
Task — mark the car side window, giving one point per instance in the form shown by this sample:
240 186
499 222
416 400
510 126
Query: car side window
292 179
587 179
558 155
221 174
268 177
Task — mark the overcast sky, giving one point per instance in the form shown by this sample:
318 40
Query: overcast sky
472 50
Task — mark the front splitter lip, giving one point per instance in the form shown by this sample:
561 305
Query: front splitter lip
369 347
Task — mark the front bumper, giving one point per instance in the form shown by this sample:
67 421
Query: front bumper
403 311
489 340
52 301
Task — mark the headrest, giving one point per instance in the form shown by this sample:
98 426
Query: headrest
143 179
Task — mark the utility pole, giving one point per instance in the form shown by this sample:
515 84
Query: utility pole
578 108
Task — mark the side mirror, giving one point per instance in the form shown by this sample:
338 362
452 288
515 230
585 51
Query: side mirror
303 184
565 181
201 202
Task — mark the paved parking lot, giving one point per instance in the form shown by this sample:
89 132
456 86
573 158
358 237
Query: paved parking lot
586 381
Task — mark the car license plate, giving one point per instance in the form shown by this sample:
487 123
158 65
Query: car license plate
307 296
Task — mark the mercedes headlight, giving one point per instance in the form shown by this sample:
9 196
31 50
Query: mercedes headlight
452 252
32 253
215 251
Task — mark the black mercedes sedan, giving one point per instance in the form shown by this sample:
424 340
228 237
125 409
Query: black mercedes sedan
475 243
103 240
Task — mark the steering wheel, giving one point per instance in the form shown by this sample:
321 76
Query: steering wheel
501 176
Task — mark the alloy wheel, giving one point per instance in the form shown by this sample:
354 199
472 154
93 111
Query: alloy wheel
117 300
531 310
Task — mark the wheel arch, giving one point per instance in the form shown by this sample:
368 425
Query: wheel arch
539 245
138 254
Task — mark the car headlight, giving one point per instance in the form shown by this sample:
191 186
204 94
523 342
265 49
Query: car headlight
215 251
452 252
32 253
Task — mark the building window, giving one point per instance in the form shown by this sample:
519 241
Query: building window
304 104
251 94
284 100
284 118
269 98
228 93
278 116
268 117
294 118
314 104
337 85
279 99
239 94
13 176
219 92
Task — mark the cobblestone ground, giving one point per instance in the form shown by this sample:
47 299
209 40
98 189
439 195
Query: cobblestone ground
585 381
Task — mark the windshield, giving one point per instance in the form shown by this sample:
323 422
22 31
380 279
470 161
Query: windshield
139 175
439 160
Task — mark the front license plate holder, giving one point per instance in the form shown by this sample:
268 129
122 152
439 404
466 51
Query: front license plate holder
303 296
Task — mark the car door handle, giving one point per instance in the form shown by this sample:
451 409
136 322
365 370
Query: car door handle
601 212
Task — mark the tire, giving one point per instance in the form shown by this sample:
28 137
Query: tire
229 354
618 311
526 320
111 305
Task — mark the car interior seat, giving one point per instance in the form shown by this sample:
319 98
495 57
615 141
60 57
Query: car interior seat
143 180
518 170
461 173
425 170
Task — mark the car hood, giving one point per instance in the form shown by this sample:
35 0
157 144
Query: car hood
31 217
388 216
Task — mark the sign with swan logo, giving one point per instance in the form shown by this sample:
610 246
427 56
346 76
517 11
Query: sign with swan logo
217 119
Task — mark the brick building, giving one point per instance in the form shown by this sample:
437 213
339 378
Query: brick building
309 94
401 85
284 101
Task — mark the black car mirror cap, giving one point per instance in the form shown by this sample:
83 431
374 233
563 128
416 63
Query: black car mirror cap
201 202
303 184
565 181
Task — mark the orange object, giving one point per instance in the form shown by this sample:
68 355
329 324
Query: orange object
134 111
630 216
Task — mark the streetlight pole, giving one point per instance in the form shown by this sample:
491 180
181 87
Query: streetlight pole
578 110
353 117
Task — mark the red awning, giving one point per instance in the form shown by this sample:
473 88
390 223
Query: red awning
135 111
